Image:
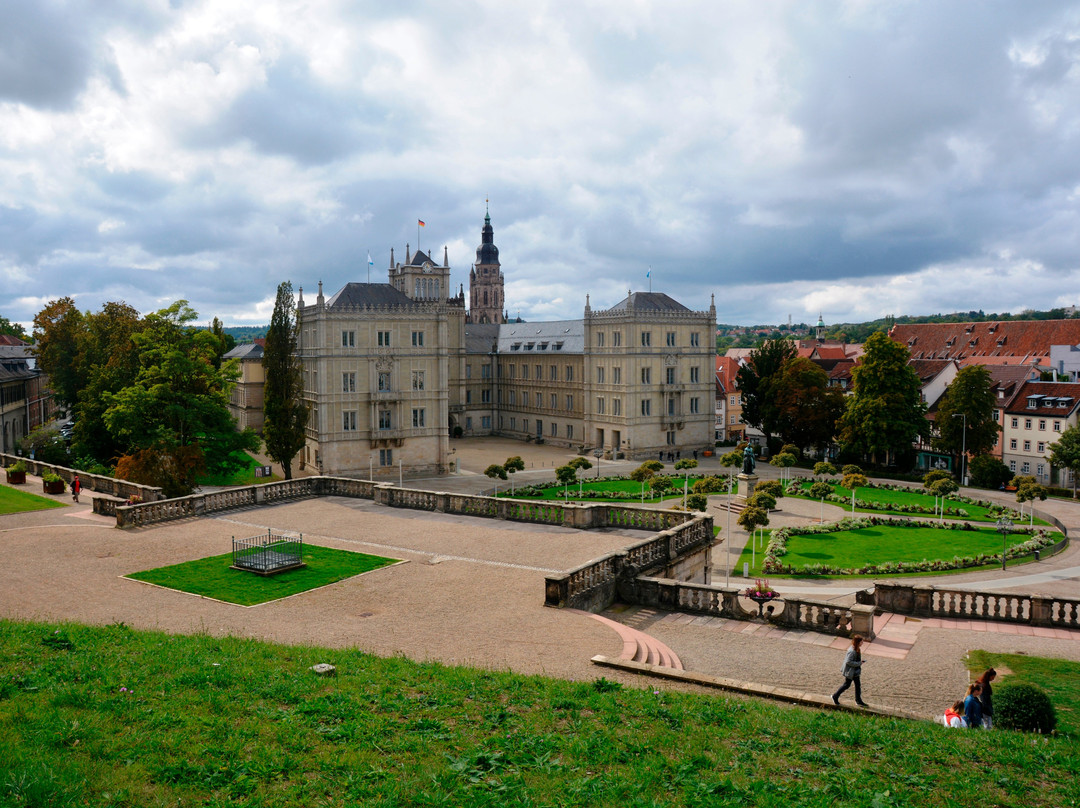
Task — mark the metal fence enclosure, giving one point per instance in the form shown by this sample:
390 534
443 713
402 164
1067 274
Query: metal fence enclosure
268 554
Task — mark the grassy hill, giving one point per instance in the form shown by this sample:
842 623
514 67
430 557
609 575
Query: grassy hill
116 717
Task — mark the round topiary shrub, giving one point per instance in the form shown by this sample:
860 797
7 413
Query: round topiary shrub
1024 707
697 502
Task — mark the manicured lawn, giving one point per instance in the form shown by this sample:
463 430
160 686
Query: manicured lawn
1060 679
886 497
108 716
631 491
211 577
245 476
881 544
15 500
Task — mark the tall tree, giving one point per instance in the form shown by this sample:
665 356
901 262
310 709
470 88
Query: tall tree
757 381
965 415
1065 452
13 329
885 413
285 416
174 421
59 329
806 408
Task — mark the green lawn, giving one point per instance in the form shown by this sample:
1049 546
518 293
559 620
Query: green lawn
630 490
15 500
1060 679
886 497
111 717
212 577
880 544
245 476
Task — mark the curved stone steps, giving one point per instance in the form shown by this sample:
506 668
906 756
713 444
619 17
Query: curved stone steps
639 646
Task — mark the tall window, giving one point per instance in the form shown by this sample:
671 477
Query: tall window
384 339
485 371
570 431
386 457
616 375
569 402
524 371
671 406
694 340
468 371
348 339
694 403
418 418
646 375
600 405
348 382
485 422
418 339
384 419
646 407
539 399
616 338
418 380
553 373
600 375
554 400
600 339
670 438
569 373
670 338
348 420
616 406
539 374
695 375
670 375
485 396
646 338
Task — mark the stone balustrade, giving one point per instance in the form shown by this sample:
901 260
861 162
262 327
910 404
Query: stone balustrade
718 601
97 483
923 601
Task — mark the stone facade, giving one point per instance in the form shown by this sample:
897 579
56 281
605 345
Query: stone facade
246 398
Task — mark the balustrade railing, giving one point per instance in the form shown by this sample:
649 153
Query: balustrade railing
969 604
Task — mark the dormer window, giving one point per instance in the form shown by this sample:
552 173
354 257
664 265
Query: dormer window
970 328
529 346
516 346
557 346
912 341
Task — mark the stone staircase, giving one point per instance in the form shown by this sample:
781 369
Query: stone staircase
639 646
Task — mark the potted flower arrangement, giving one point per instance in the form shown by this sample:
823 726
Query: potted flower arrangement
16 473
761 593
52 483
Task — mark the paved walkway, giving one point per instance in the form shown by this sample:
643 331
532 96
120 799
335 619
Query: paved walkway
472 593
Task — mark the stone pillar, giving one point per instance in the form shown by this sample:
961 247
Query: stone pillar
862 621
747 483
1042 611
923 605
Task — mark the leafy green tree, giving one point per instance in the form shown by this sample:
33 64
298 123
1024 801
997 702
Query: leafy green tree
752 518
763 500
225 342
988 472
757 380
565 474
654 465
783 461
853 481
1029 492
59 329
1065 452
13 329
965 414
806 408
850 468
580 463
685 464
732 459
513 465
773 487
820 490
641 473
943 487
697 502
174 421
659 484
495 472
885 413
285 416
824 468
934 475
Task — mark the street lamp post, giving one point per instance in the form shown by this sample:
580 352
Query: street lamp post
1004 524
598 453
963 442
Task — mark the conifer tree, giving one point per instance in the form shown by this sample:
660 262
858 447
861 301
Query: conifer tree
285 415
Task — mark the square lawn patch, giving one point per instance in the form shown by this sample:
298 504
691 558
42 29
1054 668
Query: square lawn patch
213 578
12 500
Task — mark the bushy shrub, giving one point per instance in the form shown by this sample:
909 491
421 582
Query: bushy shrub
697 502
654 465
774 487
709 485
988 472
791 449
851 468
933 476
1024 707
820 490
824 468
762 499
853 479
641 473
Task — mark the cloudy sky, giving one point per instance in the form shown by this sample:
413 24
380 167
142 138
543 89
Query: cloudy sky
854 158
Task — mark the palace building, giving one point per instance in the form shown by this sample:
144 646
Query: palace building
394 370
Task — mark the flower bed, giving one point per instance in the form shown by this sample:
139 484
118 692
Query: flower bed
777 548
995 510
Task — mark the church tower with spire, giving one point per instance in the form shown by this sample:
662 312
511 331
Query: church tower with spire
486 301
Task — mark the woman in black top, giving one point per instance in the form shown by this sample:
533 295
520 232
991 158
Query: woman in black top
986 698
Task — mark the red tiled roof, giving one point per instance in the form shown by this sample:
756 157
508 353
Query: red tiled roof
927 369
1017 338
726 368
8 339
1057 390
831 352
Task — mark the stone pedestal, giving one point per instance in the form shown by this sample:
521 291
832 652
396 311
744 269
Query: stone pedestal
747 483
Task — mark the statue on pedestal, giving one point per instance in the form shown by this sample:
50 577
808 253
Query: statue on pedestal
748 460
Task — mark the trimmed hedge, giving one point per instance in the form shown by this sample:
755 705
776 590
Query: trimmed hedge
1024 707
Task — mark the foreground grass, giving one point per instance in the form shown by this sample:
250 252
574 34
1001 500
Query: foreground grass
12 500
1060 678
114 717
213 577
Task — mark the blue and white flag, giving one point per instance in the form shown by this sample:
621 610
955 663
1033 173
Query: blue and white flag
370 263
649 273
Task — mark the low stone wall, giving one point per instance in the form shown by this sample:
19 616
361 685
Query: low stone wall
965 604
785 612
683 549
91 482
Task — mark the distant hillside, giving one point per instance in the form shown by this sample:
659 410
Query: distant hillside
246 333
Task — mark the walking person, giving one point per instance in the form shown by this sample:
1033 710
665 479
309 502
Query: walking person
986 698
76 487
852 671
972 706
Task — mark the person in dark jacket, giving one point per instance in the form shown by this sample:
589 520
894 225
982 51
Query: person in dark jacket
986 697
972 706
852 671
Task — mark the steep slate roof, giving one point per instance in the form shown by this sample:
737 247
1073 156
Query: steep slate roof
1019 338
248 350
649 301
1052 390
370 294
480 338
539 339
